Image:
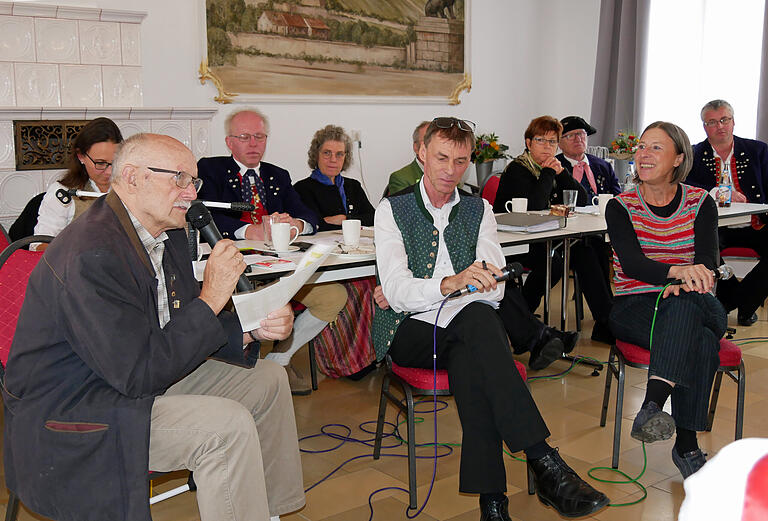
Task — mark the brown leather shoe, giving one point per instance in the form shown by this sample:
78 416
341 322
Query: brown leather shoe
300 385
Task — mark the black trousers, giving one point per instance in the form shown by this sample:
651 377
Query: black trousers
748 294
686 342
590 261
522 327
493 402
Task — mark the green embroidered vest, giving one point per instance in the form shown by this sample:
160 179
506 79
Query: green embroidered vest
421 240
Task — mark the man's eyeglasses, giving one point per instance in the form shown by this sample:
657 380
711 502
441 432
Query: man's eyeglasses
328 154
183 179
713 122
542 141
99 165
573 136
446 122
245 137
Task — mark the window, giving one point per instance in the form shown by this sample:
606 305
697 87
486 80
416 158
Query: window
700 50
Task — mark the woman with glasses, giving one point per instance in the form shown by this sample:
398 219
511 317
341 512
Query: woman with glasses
343 348
333 197
90 170
537 175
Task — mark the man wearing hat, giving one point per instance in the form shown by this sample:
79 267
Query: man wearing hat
597 177
594 174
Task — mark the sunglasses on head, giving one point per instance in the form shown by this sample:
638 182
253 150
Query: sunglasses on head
447 122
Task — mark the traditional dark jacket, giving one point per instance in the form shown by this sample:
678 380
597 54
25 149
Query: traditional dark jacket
325 200
518 181
89 357
221 183
751 169
605 177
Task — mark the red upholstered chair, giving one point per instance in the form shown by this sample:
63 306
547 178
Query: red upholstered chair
4 239
736 251
626 354
489 189
413 381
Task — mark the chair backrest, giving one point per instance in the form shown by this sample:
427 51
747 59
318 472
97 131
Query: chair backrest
25 223
490 188
16 264
4 239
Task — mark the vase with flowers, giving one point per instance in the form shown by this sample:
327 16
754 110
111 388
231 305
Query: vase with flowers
622 151
487 149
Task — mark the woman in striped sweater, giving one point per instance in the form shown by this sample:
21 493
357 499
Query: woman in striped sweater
664 229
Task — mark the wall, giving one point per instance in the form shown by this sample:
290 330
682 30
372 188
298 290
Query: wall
525 61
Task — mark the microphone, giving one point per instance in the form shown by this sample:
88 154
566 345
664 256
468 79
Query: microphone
200 219
65 195
723 272
514 269
236 206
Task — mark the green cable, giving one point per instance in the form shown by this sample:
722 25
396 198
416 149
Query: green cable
624 482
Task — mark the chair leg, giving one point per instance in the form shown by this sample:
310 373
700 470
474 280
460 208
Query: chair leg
607 393
12 510
411 445
531 483
619 411
382 413
578 301
312 365
741 383
713 400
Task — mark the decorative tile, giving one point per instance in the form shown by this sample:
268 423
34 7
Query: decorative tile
49 176
7 91
81 86
99 43
57 41
176 129
78 13
34 9
131 48
37 85
134 126
6 146
201 138
122 86
17 41
17 188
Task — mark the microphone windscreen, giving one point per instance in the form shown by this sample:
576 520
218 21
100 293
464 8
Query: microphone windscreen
198 215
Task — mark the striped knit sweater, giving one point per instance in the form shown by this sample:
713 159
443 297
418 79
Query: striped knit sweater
669 240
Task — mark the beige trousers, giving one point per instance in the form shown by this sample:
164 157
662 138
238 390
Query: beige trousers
325 301
235 429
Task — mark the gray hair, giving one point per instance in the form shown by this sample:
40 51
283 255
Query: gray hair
252 110
329 133
716 104
126 152
682 146
417 130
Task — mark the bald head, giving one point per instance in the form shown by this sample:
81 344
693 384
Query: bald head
146 174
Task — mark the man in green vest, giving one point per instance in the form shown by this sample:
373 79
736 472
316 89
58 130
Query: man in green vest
431 241
412 172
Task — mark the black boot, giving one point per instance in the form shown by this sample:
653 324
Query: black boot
494 509
558 486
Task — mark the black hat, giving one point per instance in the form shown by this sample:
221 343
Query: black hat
576 123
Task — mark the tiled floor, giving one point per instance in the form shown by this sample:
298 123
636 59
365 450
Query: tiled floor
571 407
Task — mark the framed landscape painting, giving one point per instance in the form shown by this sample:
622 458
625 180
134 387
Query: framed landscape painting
337 50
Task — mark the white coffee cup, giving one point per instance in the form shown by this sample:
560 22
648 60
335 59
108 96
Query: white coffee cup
601 200
518 205
281 236
351 230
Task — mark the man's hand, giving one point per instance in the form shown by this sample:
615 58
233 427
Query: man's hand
552 163
379 298
738 197
475 275
277 325
223 269
285 218
254 232
696 277
335 219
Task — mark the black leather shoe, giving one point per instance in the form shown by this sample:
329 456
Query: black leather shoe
494 510
568 338
689 462
558 486
652 424
545 352
747 321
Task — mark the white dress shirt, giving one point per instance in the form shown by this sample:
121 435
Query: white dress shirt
403 291
53 215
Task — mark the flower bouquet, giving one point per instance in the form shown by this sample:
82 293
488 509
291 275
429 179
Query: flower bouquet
624 146
488 148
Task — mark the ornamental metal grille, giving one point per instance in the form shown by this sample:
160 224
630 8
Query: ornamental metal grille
45 144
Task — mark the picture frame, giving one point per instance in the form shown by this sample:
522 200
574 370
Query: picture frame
336 51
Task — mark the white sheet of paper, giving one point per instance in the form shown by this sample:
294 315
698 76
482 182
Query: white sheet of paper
254 306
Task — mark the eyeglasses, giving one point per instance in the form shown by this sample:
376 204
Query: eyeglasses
713 122
99 165
328 154
573 136
446 122
542 141
183 179
245 137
